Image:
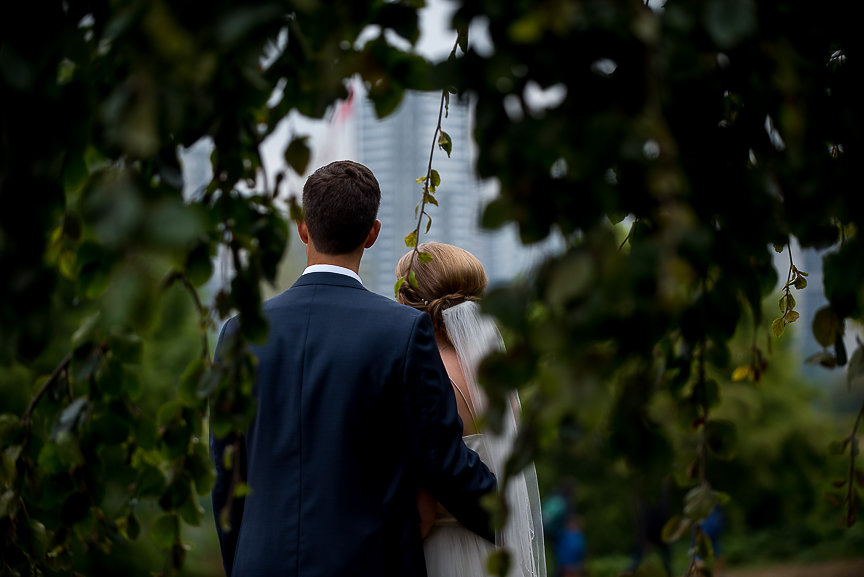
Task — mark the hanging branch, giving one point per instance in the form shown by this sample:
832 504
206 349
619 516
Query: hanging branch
430 181
795 278
203 312
703 405
46 386
253 133
850 481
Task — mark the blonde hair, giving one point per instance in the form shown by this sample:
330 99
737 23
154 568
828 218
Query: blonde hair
453 276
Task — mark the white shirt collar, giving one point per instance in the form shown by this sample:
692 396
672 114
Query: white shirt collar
334 269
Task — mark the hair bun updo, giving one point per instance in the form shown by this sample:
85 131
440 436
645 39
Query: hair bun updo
452 276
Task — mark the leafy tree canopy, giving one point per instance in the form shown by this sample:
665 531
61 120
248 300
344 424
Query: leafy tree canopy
721 130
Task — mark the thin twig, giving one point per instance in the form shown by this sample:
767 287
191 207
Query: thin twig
703 462
629 235
52 378
236 479
202 310
250 128
422 212
416 250
850 508
203 313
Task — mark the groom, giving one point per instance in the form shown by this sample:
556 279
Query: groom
354 413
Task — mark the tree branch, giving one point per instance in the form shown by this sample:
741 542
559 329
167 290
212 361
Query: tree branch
203 313
416 232
52 378
850 485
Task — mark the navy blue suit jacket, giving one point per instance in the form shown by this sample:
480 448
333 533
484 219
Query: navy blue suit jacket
354 412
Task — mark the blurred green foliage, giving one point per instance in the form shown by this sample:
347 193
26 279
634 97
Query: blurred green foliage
719 131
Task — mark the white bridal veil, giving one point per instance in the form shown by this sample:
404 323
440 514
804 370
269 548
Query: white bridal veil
473 336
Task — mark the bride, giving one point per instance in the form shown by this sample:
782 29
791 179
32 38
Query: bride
449 287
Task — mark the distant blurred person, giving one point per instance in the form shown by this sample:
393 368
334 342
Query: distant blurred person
650 519
571 549
712 527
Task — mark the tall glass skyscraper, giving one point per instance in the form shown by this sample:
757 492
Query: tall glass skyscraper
397 151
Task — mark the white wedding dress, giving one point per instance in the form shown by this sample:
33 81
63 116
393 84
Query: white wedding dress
450 549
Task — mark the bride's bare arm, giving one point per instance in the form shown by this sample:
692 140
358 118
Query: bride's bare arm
426 505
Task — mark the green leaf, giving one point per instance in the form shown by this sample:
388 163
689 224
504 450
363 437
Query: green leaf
411 239
71 416
499 563
398 286
855 371
9 425
412 278
242 490
85 331
34 539
298 154
129 526
826 325
8 465
722 438
699 502
192 512
199 265
429 199
424 257
112 378
840 350
168 412
445 143
189 382
675 528
800 283
228 457
211 381
84 363
68 449
386 96
705 549
110 428
742 373
201 468
778 326
164 531
49 460
730 22
295 210
496 504
8 504
838 447
76 508
823 358
436 179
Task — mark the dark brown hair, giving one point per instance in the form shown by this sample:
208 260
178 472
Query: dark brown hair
340 205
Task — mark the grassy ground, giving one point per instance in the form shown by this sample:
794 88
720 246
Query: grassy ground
843 568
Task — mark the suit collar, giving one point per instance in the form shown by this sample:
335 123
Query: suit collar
333 268
328 278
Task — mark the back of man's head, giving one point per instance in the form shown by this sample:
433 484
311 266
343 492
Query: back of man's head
340 205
